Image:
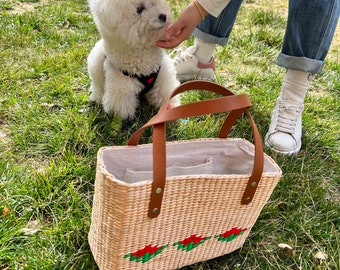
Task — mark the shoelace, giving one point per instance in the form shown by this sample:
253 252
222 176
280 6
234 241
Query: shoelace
288 116
182 56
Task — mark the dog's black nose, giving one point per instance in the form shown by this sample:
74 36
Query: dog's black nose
162 18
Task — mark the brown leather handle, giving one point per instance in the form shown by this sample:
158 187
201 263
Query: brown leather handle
236 104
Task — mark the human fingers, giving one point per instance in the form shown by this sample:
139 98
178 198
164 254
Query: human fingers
174 40
171 32
173 37
181 29
168 44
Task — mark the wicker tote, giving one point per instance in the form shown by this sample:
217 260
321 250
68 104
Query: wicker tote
166 205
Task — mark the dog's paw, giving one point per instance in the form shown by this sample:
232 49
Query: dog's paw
96 95
175 101
95 98
125 109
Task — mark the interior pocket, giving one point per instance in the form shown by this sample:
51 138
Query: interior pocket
132 176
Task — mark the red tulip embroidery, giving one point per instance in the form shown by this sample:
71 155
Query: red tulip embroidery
145 254
191 242
230 234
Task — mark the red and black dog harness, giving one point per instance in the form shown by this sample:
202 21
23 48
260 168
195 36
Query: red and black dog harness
148 81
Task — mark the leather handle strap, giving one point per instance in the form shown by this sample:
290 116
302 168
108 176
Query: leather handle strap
233 102
203 85
217 105
236 104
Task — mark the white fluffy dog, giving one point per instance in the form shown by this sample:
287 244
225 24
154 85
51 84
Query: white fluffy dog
125 65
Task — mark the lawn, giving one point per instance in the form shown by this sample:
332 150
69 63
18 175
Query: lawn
50 134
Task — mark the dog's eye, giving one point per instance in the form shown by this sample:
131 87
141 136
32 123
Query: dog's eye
140 9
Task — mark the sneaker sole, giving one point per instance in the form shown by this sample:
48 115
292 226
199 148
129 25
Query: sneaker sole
191 77
280 151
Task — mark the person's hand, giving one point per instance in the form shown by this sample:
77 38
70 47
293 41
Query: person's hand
182 28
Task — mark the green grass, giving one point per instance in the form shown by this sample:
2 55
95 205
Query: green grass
50 134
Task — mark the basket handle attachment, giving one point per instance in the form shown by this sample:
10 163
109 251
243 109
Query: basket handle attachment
235 104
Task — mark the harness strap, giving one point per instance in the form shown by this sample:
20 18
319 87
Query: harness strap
148 81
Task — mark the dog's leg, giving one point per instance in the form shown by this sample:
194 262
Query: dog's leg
95 65
165 85
120 95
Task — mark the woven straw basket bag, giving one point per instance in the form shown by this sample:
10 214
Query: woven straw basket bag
166 205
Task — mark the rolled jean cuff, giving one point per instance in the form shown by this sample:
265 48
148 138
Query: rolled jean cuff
207 38
300 63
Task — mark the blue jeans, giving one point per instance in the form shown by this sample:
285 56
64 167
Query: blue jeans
310 29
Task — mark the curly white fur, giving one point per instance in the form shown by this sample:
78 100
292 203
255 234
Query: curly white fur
129 29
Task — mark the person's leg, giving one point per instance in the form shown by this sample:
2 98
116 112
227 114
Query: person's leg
197 61
217 30
310 28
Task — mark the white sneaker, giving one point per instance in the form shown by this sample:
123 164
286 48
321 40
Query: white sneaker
189 68
285 130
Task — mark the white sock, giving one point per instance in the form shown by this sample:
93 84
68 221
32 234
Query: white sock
205 51
295 86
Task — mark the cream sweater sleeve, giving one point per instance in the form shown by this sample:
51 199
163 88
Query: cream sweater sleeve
214 7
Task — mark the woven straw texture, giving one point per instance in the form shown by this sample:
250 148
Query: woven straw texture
201 218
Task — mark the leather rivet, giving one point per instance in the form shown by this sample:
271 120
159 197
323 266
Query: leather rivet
159 191
254 184
248 200
155 211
